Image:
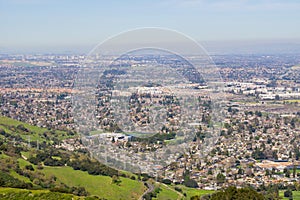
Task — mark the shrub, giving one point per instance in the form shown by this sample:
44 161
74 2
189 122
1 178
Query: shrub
288 193
167 181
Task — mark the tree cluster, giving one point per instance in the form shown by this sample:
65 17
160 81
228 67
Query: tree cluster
92 167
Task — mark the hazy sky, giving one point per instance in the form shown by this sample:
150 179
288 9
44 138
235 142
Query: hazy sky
60 23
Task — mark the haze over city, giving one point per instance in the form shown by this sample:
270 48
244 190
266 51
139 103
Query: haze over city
77 26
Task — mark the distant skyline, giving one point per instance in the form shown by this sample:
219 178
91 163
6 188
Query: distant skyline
65 25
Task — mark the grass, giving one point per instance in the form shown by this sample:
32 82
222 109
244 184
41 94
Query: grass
56 157
15 193
166 193
27 154
13 122
193 191
97 185
292 100
297 171
23 163
18 176
36 132
96 132
296 195
169 192
2 155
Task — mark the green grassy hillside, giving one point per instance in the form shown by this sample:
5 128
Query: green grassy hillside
19 169
50 173
29 132
98 185
24 194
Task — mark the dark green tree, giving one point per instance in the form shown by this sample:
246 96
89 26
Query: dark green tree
220 178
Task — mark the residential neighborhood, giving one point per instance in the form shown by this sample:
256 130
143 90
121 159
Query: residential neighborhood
257 143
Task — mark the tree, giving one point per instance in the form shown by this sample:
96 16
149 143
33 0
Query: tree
220 178
258 113
29 167
294 171
79 191
2 132
229 109
240 171
166 181
234 193
288 193
287 172
115 180
271 192
22 128
197 197
190 183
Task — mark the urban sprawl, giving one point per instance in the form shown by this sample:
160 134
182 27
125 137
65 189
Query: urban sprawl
258 141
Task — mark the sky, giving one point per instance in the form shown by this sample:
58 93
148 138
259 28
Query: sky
65 24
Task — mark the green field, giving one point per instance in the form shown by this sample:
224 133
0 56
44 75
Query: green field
169 192
297 171
97 185
96 132
18 176
292 100
12 122
296 195
193 191
166 193
24 194
35 133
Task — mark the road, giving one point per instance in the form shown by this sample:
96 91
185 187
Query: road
150 189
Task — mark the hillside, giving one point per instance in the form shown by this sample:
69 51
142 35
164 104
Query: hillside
33 167
29 160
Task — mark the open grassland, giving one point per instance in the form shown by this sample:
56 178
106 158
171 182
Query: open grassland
101 186
166 193
24 194
190 192
296 195
169 192
291 101
96 185
33 133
